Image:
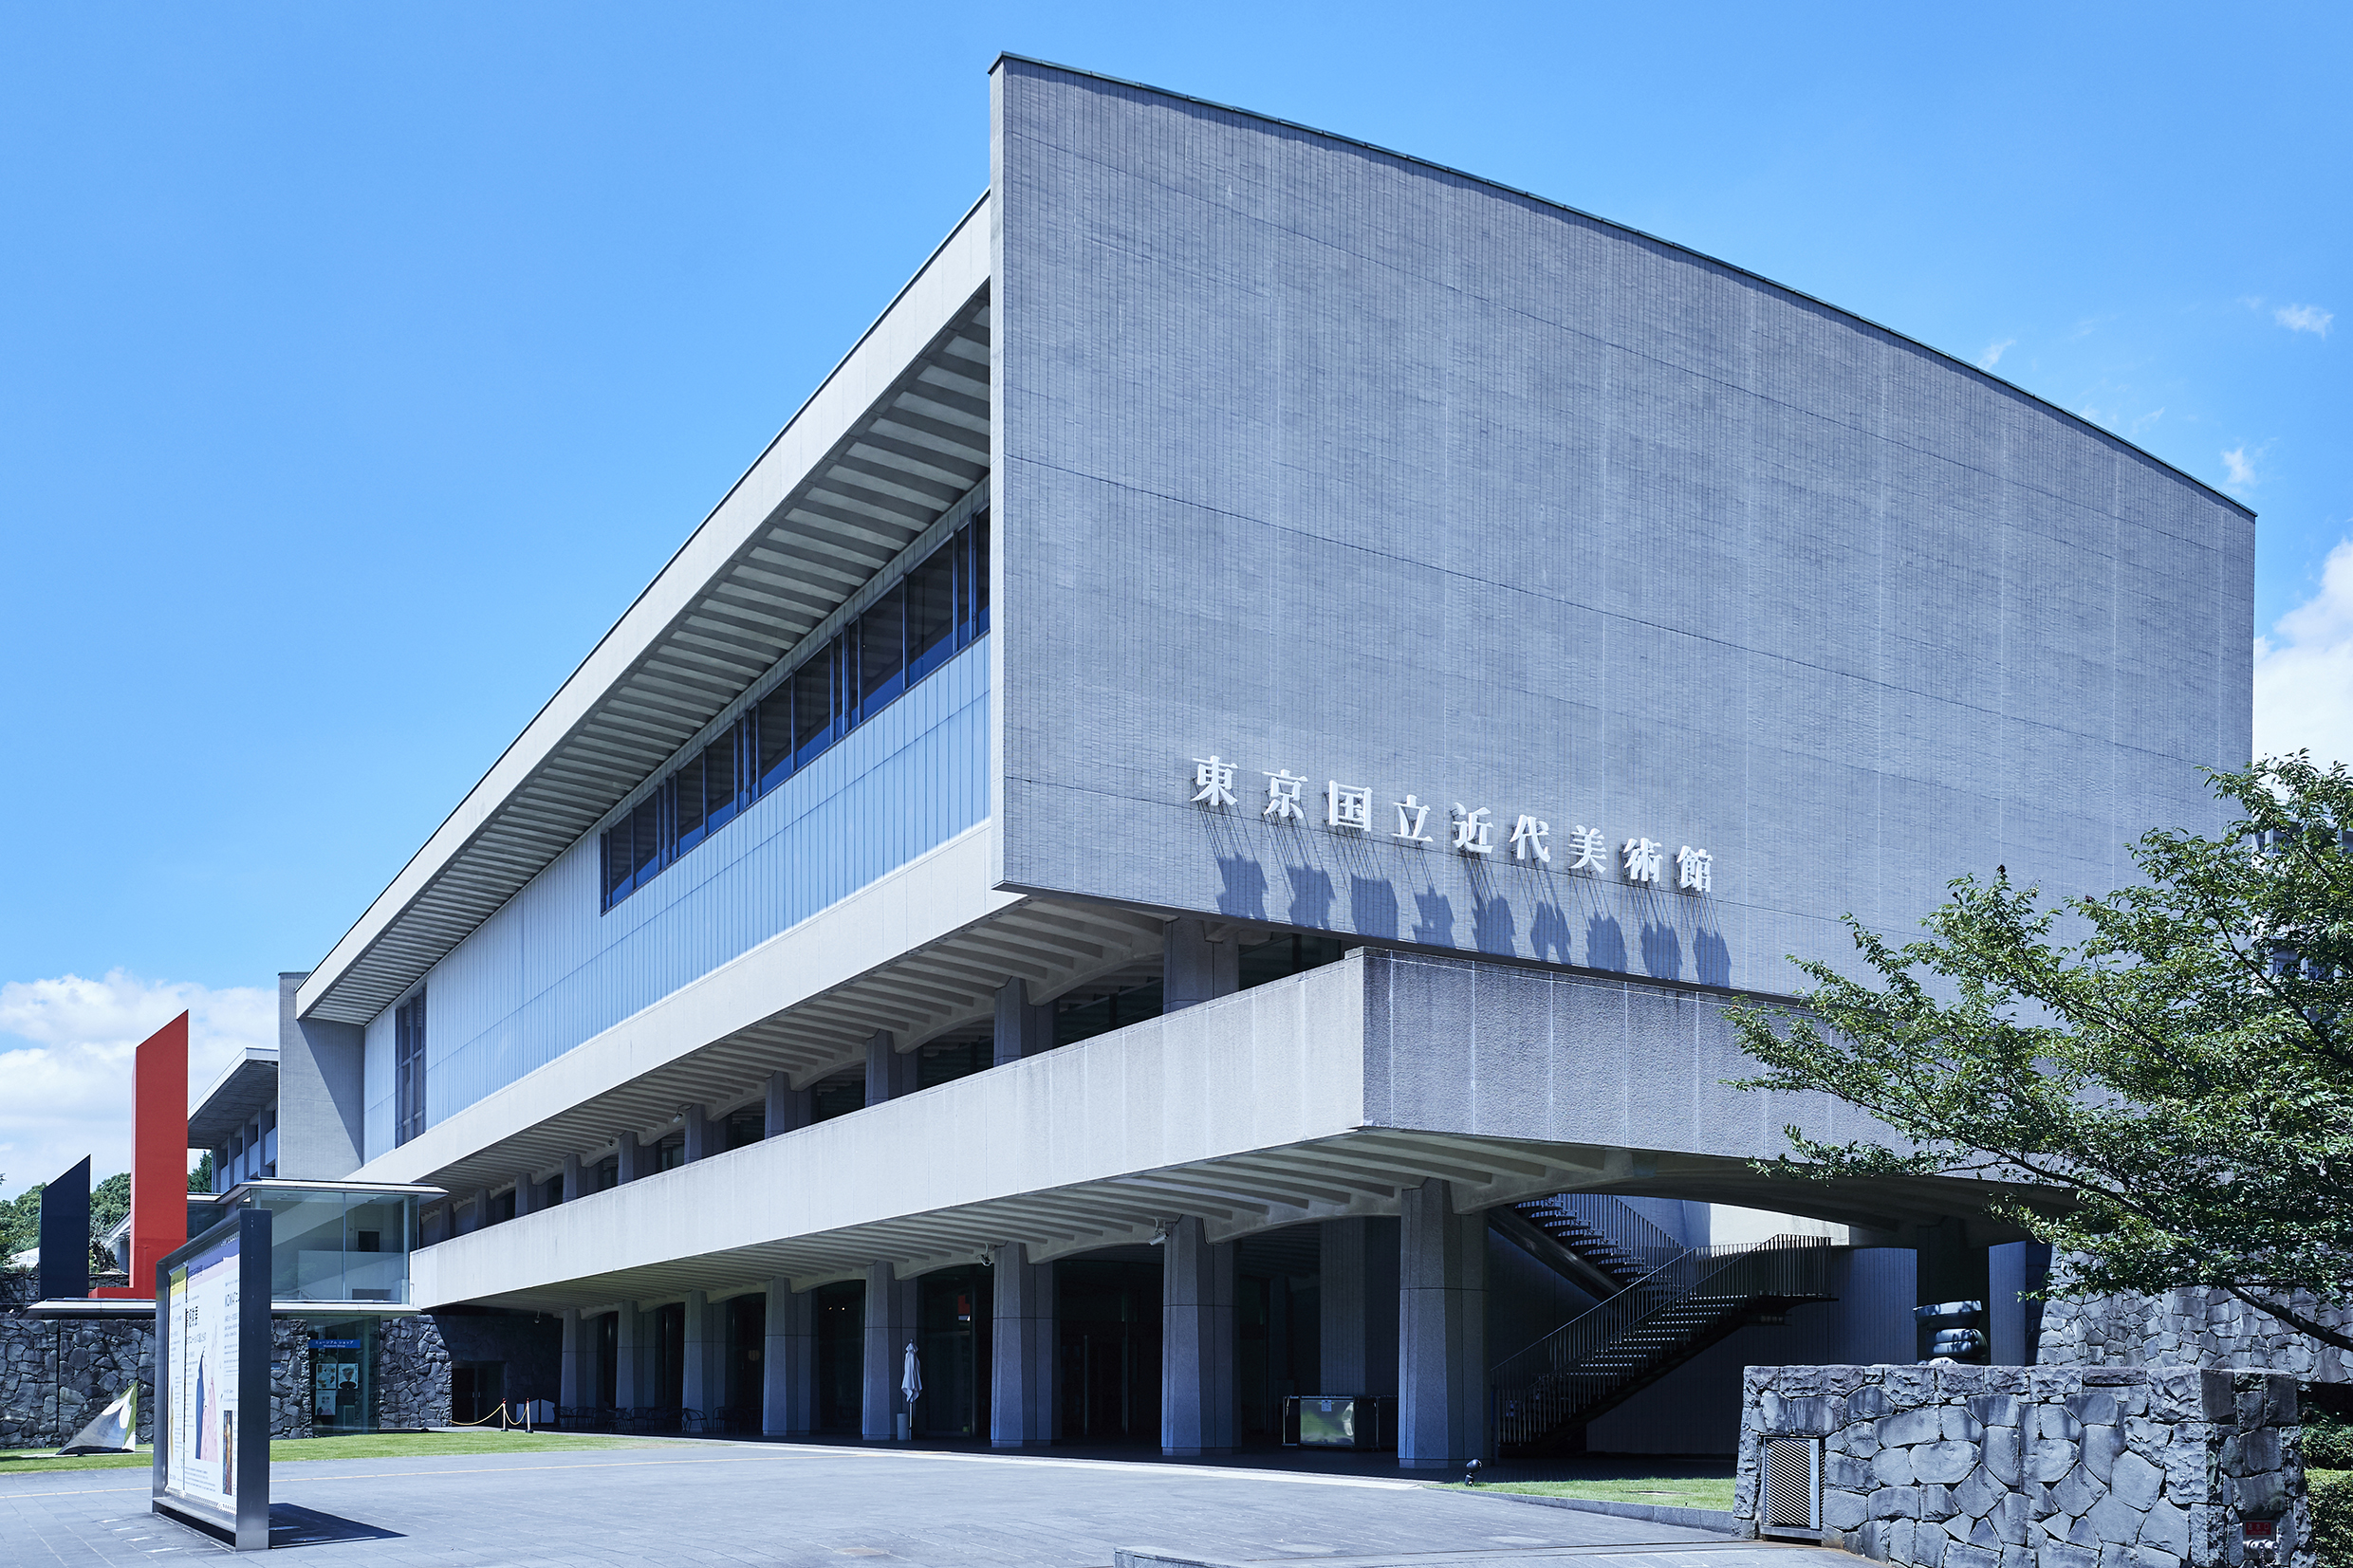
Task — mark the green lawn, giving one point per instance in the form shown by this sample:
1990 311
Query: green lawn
366 1446
1680 1491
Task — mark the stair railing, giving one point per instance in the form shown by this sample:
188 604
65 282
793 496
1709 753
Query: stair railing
1613 1220
1548 1382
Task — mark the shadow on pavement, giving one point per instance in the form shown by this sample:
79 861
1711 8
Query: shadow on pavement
290 1524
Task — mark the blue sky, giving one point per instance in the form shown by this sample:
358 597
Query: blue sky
359 364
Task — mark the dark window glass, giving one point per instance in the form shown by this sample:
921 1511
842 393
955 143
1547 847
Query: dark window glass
645 839
931 613
720 787
812 705
617 863
670 1153
606 1174
980 574
882 650
745 1126
838 1095
688 782
408 1069
773 723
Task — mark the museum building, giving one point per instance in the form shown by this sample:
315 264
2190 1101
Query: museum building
1185 837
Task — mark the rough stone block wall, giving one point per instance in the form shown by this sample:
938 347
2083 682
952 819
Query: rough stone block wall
2038 1468
56 1374
2193 1326
412 1375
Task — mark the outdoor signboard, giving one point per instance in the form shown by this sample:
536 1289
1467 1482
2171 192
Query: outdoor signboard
212 1466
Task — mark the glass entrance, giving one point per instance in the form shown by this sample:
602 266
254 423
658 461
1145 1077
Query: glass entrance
342 1376
954 1313
1107 1317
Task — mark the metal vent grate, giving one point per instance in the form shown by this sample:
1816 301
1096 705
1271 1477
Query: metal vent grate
1792 1484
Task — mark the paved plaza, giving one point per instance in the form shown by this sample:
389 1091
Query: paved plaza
797 1504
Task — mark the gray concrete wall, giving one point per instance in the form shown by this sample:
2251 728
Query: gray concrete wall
1402 480
322 1093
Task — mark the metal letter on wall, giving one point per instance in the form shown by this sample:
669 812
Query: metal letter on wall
211 1465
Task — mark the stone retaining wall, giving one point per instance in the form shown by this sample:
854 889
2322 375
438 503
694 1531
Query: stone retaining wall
2038 1468
2194 1326
57 1372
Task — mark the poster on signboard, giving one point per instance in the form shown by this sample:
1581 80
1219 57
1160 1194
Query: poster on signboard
201 1461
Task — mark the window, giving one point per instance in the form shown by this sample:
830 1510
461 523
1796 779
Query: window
745 1127
606 1174
408 1069
882 650
914 628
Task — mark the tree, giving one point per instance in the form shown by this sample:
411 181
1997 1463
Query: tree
2171 1063
20 1223
200 1179
110 1200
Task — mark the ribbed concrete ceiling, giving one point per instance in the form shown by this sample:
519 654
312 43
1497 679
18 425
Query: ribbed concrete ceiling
919 449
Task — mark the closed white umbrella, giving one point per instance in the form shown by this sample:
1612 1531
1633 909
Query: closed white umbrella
911 1380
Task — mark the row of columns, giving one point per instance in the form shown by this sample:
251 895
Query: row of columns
1418 1282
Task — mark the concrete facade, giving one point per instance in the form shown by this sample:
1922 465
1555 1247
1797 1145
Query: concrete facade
1647 617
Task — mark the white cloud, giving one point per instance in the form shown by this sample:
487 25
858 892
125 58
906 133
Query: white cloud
1992 356
2238 467
68 1084
2304 671
2305 318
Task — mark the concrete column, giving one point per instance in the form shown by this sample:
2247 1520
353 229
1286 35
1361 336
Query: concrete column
702 1137
1024 1027
633 1159
575 1179
1021 1361
1196 969
699 1390
478 1215
571 1373
788 1107
890 1323
1198 1413
1441 1330
1358 1305
788 1362
2013 1322
890 1072
633 1352
528 1196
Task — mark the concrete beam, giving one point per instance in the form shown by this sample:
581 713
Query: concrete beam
1197 969
1441 1330
788 1363
788 1107
1198 1413
1357 1302
1021 1363
890 1324
1023 1028
890 1072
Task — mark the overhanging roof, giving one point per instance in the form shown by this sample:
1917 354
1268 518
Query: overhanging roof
893 438
248 1088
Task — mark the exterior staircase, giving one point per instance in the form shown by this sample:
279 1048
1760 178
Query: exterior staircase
1671 1302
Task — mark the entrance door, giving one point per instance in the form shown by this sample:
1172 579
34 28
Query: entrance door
476 1391
342 1376
1108 1325
954 1339
841 1313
